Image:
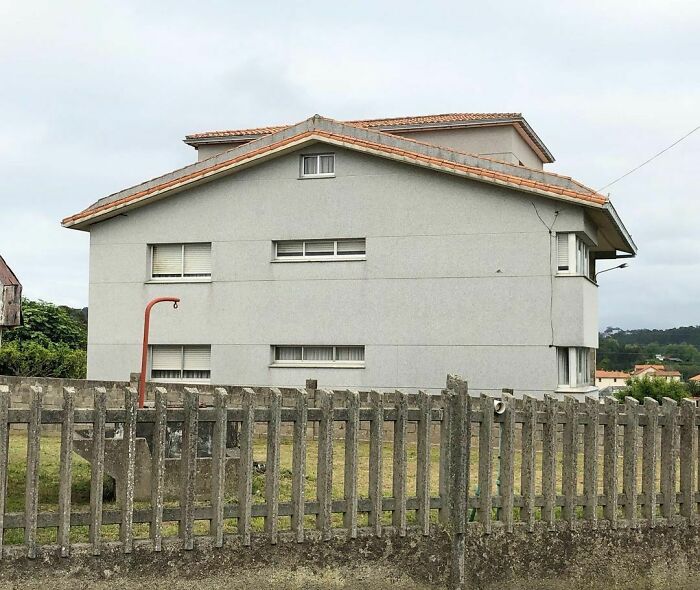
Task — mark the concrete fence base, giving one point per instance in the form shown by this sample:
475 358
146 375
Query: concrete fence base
583 558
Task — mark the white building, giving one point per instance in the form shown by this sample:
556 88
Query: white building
370 254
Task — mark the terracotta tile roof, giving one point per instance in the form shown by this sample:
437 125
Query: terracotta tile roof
369 123
7 277
599 374
695 378
490 174
638 368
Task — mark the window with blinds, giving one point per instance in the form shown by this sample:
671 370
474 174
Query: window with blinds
573 255
187 362
320 249
181 261
576 366
317 165
321 356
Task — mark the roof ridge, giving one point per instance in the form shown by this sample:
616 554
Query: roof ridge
457 117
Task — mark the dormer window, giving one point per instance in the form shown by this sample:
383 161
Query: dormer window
318 166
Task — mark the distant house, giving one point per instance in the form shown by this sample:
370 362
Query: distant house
605 379
695 379
10 298
655 371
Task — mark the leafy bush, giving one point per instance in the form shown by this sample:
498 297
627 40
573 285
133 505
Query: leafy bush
654 387
33 359
48 324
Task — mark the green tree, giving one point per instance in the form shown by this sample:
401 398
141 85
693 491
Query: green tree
48 324
654 387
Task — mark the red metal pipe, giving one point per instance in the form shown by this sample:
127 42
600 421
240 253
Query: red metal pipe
144 350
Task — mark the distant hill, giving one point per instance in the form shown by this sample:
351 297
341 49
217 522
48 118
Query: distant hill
682 335
679 348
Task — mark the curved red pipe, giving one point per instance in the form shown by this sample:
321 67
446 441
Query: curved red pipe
144 350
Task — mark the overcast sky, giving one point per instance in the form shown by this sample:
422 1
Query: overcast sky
96 96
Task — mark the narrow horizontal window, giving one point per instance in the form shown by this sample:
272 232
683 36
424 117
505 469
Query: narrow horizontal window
181 261
320 249
320 356
185 363
318 165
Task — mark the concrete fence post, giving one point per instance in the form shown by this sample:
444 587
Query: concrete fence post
4 455
31 496
158 467
66 472
649 458
218 465
629 461
272 465
299 464
376 442
129 442
459 408
669 455
97 468
188 461
689 454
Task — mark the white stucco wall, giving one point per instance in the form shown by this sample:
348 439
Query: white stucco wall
457 279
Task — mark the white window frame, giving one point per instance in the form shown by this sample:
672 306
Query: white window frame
573 242
318 166
182 378
304 257
182 278
572 380
332 364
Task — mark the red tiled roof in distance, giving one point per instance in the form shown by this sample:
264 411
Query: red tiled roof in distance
696 378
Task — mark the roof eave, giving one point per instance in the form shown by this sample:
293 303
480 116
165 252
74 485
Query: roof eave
620 227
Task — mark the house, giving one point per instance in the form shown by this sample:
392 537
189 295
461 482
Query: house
655 371
695 379
10 298
369 254
613 379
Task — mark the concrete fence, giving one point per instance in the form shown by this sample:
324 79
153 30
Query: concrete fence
538 466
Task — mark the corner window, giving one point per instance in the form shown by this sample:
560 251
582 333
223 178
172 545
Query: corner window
575 367
573 255
181 261
347 249
319 356
318 165
184 363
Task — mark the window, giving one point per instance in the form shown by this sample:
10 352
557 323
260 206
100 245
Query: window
320 249
576 366
181 261
318 165
180 362
573 255
319 356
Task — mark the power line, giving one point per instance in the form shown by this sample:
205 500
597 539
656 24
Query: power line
650 159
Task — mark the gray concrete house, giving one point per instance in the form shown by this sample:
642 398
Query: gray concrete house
373 254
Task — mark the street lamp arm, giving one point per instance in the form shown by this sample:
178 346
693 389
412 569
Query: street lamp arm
623 265
144 348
